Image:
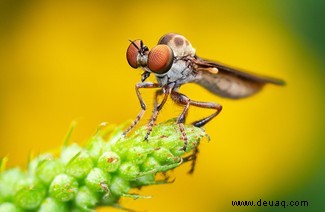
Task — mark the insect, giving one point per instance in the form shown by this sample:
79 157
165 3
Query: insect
174 62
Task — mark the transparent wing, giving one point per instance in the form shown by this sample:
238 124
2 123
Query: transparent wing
229 82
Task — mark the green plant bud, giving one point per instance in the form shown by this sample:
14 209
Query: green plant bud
115 134
33 164
129 170
174 145
96 147
48 169
137 155
124 146
121 148
80 165
9 207
68 152
119 186
110 199
165 157
50 205
63 188
150 164
8 180
109 162
85 199
174 142
100 174
29 194
97 180
147 179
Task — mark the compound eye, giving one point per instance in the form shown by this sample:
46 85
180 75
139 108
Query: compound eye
132 53
160 59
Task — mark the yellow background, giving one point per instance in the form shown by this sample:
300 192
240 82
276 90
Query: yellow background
65 60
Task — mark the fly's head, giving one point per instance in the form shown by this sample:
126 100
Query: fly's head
137 54
158 60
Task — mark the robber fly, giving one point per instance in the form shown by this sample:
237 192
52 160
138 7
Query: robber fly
174 63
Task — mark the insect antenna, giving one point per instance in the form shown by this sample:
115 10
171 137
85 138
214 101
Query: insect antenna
135 45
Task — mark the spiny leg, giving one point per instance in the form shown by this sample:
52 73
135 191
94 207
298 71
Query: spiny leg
155 112
184 100
143 105
192 157
166 91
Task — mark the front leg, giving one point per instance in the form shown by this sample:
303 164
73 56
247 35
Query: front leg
145 75
143 105
157 94
166 91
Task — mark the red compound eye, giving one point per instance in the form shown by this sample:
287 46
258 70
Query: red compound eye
132 53
160 59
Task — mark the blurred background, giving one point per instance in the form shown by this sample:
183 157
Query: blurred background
65 60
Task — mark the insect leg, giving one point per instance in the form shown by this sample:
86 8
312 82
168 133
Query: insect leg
184 100
210 105
143 105
166 91
192 158
158 93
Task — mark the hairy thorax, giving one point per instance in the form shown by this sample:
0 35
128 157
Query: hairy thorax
180 73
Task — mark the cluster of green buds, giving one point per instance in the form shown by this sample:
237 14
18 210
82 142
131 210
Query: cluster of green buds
82 178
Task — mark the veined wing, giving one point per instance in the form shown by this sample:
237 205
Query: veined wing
229 82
